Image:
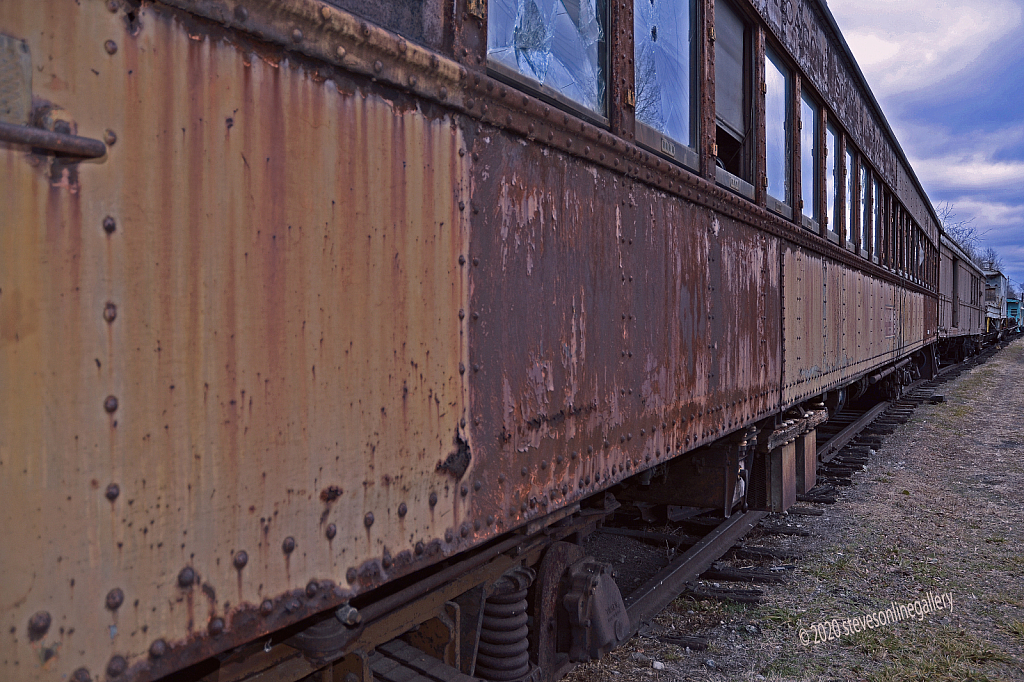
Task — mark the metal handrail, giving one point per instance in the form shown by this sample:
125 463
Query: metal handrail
62 143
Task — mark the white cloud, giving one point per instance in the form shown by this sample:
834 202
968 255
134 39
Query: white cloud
976 171
997 224
994 214
904 45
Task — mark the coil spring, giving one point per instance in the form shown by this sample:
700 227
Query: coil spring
503 654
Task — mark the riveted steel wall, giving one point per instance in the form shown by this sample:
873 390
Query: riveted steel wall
841 323
613 325
309 326
229 349
971 318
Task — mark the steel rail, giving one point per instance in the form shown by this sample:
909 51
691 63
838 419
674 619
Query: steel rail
658 592
829 450
61 143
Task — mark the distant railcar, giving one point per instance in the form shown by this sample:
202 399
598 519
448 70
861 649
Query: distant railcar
961 303
325 324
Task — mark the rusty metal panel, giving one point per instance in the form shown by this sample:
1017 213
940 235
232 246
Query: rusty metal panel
836 302
840 323
971 317
946 293
235 343
613 325
804 320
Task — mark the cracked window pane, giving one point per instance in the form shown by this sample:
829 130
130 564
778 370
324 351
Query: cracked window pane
557 43
664 61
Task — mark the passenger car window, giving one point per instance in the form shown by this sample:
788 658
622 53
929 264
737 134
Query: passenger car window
557 45
851 208
865 209
832 176
731 90
778 88
809 155
876 201
664 64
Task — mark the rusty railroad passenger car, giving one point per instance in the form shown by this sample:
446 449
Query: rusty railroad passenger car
324 320
961 303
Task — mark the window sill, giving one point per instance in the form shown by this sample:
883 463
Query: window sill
657 142
832 237
731 182
811 224
544 92
780 208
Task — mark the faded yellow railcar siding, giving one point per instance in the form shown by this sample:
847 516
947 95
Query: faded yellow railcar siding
285 274
841 323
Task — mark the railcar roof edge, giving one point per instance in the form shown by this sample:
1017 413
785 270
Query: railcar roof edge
830 18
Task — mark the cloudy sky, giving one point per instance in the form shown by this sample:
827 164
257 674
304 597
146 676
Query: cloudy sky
950 79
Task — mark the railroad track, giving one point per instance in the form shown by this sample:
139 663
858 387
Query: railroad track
683 549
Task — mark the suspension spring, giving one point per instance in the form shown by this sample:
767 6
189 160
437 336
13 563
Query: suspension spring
503 654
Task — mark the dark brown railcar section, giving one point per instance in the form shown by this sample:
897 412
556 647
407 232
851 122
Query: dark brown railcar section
612 333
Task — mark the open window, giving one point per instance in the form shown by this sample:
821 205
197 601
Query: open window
555 47
810 155
732 99
833 175
665 77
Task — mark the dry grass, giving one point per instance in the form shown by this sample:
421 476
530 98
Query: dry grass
940 509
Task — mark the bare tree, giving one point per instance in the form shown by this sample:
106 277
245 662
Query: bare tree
962 232
991 258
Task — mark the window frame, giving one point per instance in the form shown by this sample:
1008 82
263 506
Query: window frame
781 206
866 217
812 221
834 213
657 141
849 156
877 188
747 147
546 93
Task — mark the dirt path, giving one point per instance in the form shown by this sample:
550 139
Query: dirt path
938 512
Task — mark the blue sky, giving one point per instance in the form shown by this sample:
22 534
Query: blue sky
950 79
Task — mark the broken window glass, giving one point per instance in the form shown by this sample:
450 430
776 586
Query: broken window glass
665 66
559 44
